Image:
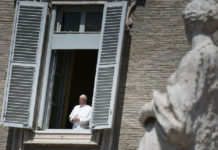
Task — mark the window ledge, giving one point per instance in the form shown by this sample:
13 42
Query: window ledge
60 138
64 131
78 3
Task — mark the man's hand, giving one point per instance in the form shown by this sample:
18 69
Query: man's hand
75 119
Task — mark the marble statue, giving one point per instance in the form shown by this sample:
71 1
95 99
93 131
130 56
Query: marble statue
186 116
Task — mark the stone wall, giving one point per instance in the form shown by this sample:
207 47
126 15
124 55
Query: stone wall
158 42
6 24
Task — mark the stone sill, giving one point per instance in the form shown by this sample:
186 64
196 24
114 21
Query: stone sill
58 137
77 3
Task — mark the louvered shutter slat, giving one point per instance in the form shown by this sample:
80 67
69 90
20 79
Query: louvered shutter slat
107 71
24 64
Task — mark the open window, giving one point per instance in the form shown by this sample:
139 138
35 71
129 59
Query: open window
83 56
72 69
72 72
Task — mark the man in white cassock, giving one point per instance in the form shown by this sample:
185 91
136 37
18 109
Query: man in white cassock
81 114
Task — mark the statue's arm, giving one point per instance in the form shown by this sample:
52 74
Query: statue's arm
146 114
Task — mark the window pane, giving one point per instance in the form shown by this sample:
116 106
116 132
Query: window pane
71 21
93 21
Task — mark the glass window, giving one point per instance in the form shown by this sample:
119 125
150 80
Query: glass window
93 21
71 21
79 19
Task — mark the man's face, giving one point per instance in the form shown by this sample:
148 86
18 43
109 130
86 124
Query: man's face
82 100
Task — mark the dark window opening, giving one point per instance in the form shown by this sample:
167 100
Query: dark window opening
71 21
72 73
93 21
79 19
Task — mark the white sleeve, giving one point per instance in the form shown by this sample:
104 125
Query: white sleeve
72 114
85 120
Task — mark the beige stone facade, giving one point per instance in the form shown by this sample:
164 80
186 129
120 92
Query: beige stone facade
152 49
6 25
158 42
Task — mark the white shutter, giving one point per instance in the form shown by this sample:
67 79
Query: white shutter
107 71
23 68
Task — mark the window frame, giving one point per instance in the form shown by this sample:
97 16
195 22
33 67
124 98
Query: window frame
83 11
122 6
45 104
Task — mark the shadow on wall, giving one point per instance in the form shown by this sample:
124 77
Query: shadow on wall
121 91
123 77
140 2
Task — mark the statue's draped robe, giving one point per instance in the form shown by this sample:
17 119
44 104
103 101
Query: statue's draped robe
187 114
